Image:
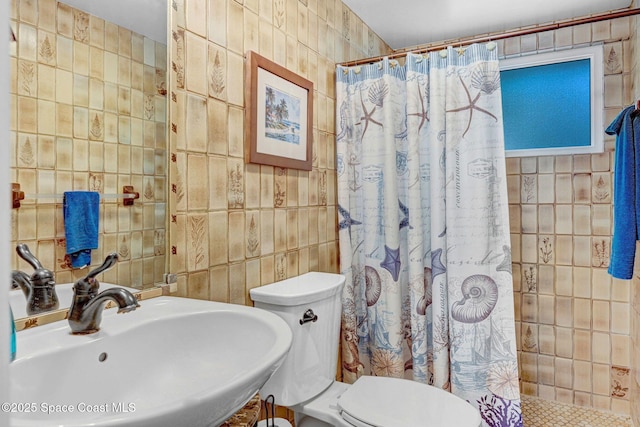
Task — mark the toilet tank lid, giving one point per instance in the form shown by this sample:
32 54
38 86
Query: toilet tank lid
303 289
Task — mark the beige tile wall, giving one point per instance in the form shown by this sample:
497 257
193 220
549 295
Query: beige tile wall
573 319
635 306
234 225
88 110
635 343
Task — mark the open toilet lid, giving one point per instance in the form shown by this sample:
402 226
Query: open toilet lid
393 402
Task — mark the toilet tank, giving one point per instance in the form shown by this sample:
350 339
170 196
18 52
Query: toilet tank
310 366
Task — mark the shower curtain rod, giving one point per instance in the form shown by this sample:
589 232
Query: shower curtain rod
499 36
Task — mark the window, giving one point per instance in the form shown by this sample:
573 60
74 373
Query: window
552 102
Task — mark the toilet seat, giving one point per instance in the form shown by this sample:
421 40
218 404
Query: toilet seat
393 402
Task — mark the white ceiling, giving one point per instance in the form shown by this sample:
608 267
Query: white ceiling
407 23
400 23
146 17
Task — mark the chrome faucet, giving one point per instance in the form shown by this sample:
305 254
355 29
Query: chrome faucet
87 305
39 288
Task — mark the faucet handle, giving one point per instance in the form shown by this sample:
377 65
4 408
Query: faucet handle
41 276
89 284
24 252
109 262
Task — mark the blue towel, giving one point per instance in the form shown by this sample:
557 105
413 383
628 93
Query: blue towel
626 192
81 211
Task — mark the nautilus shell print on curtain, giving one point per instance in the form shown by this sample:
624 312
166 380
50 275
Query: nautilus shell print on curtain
425 300
373 285
479 297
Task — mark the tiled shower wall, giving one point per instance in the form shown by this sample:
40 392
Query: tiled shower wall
573 319
88 103
235 225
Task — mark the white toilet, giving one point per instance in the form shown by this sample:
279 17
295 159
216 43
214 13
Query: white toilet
305 383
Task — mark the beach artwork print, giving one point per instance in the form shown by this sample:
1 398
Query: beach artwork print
282 116
278 115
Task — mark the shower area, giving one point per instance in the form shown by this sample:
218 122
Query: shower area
574 323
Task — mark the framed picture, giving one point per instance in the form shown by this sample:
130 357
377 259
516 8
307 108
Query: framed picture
278 115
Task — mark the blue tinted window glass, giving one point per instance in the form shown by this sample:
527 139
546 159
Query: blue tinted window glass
547 106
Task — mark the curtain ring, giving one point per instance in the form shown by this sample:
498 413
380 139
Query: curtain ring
443 53
460 51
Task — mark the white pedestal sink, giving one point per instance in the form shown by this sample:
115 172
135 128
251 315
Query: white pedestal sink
172 362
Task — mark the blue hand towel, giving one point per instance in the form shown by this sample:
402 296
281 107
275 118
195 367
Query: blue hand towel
81 211
626 192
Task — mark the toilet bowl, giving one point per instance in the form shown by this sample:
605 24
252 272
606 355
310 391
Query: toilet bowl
311 304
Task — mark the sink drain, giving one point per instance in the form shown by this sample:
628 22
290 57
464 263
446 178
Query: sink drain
102 357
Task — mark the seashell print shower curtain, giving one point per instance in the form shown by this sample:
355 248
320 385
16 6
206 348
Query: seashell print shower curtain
424 227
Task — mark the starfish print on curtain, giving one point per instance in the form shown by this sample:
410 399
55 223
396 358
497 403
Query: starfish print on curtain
471 106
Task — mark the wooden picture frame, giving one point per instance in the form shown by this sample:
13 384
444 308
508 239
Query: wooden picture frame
278 115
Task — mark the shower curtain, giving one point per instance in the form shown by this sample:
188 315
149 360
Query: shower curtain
423 227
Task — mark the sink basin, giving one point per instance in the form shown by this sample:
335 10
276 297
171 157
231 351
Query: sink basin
172 362
18 301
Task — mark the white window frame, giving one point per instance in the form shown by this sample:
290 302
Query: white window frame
595 55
